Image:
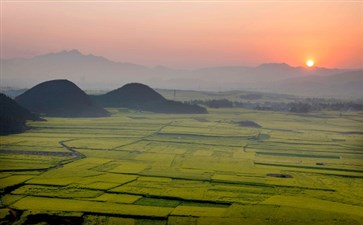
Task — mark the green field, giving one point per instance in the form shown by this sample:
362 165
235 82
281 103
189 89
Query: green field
147 168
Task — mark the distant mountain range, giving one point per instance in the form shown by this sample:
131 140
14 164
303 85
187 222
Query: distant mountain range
345 84
95 72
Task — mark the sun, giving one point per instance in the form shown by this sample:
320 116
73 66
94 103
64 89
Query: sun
310 63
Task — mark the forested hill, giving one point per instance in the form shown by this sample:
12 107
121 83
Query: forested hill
13 116
141 97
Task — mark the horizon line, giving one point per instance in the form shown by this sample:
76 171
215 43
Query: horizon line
168 67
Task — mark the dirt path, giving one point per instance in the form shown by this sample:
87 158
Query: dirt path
72 153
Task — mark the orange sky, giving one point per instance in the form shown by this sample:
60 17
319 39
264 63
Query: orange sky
189 34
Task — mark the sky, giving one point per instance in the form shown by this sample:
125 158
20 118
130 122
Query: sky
189 34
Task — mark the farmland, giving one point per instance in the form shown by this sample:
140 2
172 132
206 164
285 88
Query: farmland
148 168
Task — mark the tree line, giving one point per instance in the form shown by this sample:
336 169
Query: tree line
298 106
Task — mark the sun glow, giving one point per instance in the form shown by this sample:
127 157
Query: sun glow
310 63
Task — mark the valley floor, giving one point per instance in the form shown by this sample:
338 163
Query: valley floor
146 168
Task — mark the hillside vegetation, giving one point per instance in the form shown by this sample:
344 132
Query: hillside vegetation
141 97
60 98
13 116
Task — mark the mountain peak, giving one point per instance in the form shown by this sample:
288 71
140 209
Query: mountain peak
74 52
62 54
274 65
74 56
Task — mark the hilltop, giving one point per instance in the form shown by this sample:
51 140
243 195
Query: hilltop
13 116
60 98
142 97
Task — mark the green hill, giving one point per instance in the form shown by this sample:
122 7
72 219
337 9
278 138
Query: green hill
142 97
13 116
60 98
